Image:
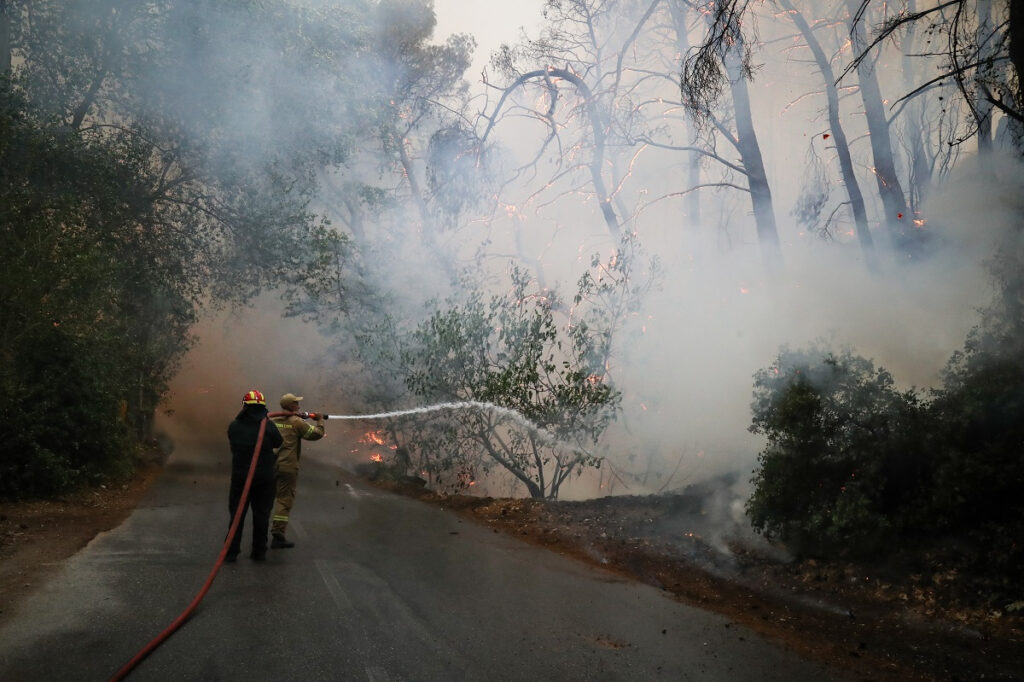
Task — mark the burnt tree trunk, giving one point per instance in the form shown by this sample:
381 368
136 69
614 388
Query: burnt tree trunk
1016 32
920 178
860 216
982 106
894 202
692 213
753 163
427 232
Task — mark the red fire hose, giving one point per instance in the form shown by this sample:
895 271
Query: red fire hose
180 620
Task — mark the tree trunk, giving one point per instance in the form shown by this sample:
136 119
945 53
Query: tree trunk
894 203
982 105
1016 48
860 216
920 179
6 30
1016 53
596 164
692 213
753 163
426 223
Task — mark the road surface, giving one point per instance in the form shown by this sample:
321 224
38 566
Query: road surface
379 587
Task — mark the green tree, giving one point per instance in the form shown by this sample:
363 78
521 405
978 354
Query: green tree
979 413
840 454
509 352
147 174
67 340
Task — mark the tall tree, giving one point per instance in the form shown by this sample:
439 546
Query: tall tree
720 61
895 216
977 54
839 138
135 191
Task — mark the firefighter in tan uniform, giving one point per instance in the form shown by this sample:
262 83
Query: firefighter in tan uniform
294 429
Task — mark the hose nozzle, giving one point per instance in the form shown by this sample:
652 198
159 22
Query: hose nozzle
313 415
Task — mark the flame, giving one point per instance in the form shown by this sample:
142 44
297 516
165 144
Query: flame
376 457
375 437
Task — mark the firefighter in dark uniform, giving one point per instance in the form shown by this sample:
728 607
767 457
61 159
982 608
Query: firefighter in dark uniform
294 429
243 434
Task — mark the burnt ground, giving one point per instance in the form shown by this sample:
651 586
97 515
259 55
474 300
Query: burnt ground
878 622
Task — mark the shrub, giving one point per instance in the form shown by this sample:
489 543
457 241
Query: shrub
838 456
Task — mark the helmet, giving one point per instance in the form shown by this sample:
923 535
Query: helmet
253 398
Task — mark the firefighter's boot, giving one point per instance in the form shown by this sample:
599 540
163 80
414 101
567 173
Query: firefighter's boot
281 542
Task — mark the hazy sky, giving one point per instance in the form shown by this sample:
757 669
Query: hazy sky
490 22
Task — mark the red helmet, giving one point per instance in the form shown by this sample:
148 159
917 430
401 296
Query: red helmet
254 398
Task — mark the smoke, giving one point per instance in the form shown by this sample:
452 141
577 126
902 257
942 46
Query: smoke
236 351
685 362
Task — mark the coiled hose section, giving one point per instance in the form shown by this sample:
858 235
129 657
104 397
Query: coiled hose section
180 620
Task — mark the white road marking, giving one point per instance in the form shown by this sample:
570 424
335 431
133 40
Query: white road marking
341 599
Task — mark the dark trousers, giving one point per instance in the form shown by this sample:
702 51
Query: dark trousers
261 500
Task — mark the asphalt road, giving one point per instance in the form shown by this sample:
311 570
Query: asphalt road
379 587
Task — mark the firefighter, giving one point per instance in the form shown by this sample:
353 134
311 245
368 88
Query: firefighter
243 434
294 429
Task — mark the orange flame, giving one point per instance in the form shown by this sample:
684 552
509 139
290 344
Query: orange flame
375 437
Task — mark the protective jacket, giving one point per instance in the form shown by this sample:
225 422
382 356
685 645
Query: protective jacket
294 429
243 433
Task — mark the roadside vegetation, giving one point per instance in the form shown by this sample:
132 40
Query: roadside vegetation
158 159
856 469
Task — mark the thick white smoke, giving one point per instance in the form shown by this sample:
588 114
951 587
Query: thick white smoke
685 363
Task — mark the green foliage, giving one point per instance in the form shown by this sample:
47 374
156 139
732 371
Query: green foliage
508 351
979 418
836 430
143 174
853 466
74 319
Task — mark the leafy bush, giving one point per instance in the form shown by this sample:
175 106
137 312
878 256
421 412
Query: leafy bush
854 466
837 456
979 418
508 351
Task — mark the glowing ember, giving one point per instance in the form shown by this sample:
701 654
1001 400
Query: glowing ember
376 457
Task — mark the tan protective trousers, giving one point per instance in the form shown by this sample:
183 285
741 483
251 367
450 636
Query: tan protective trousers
287 477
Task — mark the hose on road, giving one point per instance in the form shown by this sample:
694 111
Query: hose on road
180 620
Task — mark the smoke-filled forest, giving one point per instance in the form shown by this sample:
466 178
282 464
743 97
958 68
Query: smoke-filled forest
772 244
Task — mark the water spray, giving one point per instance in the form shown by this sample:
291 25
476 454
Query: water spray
547 437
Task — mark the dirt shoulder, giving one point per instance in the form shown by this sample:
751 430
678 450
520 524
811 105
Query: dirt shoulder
37 535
